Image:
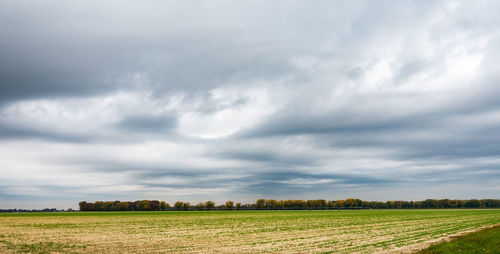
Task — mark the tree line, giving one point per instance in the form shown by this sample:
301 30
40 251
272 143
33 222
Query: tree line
271 204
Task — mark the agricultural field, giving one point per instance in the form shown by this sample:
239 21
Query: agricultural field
366 231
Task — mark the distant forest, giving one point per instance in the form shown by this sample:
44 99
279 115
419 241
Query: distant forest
271 204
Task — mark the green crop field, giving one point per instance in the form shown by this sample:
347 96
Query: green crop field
485 241
234 231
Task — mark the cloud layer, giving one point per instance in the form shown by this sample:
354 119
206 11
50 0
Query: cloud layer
220 100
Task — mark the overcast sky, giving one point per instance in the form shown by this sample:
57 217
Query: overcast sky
239 100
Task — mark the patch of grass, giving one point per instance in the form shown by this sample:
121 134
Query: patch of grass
42 247
484 241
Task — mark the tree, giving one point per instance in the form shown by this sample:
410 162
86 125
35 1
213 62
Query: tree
472 203
456 203
444 203
330 204
179 205
339 203
351 202
260 203
321 203
210 205
272 204
142 205
154 205
311 203
300 204
99 206
390 204
200 206
281 204
108 206
164 206
124 206
116 205
84 206
430 203
490 203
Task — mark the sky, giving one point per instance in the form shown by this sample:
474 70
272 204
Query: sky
240 100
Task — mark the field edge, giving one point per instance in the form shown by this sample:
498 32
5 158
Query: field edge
414 248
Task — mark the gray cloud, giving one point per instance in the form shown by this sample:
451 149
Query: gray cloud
144 123
242 100
283 183
12 132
